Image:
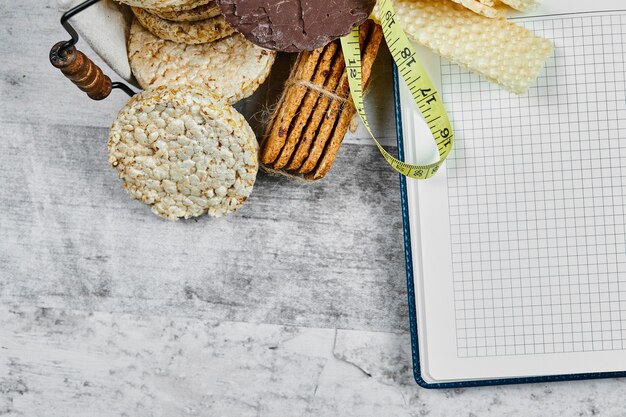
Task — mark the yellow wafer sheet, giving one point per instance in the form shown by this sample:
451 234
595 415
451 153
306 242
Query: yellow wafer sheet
497 49
522 5
481 8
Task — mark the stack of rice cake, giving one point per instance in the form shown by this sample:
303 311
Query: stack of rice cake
188 42
198 21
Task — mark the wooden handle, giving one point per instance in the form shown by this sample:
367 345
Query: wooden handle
81 71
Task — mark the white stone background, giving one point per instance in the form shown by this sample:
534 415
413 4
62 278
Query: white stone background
295 306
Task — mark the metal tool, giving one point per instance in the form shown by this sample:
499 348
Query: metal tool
77 67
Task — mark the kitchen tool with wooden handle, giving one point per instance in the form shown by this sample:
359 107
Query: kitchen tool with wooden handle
82 71
77 67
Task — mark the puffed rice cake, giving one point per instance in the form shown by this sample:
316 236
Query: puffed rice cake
184 152
206 11
233 68
165 5
202 31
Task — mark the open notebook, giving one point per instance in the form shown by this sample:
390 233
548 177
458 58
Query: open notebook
516 251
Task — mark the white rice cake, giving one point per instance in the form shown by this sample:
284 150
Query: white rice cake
233 68
184 152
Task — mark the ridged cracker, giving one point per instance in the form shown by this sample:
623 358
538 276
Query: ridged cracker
288 106
203 31
307 106
501 51
233 68
165 5
304 144
345 118
337 107
184 152
196 14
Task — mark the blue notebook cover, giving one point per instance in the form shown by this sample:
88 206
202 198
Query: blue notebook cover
411 292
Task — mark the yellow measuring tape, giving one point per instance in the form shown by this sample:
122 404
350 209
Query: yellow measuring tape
423 91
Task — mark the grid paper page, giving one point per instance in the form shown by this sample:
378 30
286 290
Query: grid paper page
537 194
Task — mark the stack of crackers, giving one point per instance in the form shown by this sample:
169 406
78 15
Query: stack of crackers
190 43
181 147
315 110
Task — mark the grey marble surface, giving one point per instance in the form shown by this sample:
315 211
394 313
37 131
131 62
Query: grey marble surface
295 306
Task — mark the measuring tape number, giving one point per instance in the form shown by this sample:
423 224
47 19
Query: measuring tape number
422 90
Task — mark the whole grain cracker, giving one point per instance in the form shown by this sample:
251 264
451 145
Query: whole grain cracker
368 35
184 152
203 12
346 116
326 128
330 152
308 104
202 31
233 68
288 106
304 144
501 51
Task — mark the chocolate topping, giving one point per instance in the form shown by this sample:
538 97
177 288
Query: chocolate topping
295 25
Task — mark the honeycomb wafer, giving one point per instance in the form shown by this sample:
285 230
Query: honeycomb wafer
481 8
522 5
202 31
501 51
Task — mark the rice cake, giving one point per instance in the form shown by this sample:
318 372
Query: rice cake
233 68
202 31
184 152
203 12
165 5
